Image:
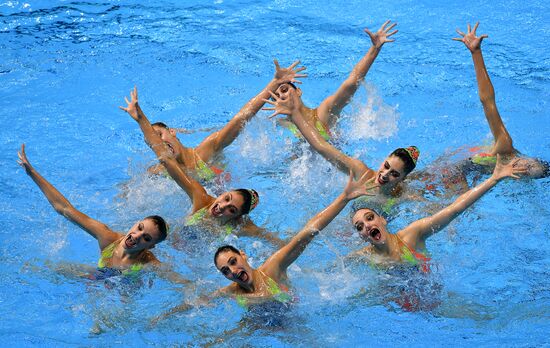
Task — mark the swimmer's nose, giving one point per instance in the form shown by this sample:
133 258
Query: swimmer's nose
234 272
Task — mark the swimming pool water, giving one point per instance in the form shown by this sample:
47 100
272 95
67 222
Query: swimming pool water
66 66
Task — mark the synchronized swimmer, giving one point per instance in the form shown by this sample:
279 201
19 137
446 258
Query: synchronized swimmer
192 169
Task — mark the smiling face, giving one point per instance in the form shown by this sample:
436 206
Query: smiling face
227 206
370 226
169 138
234 266
391 172
143 235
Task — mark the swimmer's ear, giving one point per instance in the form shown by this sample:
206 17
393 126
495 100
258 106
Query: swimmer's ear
152 246
172 131
384 220
243 254
299 92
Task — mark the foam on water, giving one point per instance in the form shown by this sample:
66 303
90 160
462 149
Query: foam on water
373 119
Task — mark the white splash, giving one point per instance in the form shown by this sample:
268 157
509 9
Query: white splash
373 120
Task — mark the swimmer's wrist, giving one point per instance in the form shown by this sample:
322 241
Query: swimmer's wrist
494 179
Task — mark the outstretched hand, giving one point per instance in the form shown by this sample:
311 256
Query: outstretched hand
133 107
382 35
513 169
470 39
281 106
361 187
290 74
23 161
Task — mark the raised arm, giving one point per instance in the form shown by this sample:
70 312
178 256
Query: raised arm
419 231
334 104
215 142
342 161
62 206
277 264
503 142
194 190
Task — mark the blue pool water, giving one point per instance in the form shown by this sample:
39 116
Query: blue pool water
66 66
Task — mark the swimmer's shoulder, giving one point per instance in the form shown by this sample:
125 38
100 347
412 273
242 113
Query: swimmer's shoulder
149 258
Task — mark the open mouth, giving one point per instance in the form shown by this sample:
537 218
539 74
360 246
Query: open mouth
375 234
129 242
243 277
170 147
216 211
381 181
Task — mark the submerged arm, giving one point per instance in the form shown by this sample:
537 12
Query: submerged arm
215 142
424 228
62 206
194 190
336 102
503 142
282 259
169 274
250 229
203 300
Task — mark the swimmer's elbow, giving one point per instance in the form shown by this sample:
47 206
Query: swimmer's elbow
487 98
64 209
311 230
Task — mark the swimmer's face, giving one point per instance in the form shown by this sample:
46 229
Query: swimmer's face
234 266
391 172
227 206
370 226
535 169
169 138
284 91
143 235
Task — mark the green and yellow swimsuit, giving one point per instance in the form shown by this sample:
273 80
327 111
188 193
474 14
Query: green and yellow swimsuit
278 292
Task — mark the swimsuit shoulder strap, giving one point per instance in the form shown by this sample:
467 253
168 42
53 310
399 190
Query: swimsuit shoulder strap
414 257
274 288
197 217
107 254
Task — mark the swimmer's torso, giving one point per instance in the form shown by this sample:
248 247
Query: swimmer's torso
266 289
108 259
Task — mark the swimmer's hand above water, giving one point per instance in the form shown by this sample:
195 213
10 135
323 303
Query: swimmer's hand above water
132 108
364 186
290 74
512 169
381 36
23 161
472 42
288 106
